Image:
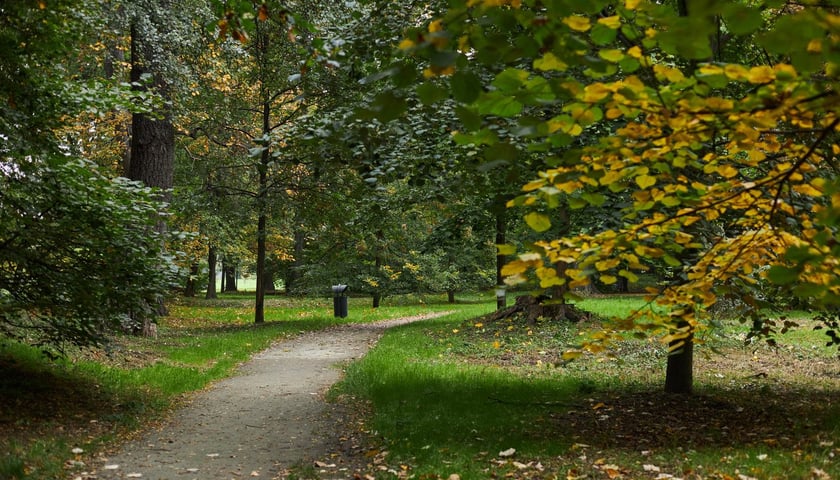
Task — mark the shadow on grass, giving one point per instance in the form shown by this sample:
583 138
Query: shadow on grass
458 407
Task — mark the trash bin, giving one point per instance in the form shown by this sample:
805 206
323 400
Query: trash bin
340 300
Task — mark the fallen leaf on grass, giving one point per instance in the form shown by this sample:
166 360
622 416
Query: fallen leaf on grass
651 468
507 453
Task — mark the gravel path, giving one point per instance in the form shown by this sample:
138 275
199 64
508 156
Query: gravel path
269 417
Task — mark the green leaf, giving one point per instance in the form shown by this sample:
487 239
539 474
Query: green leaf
495 103
510 80
469 118
538 221
742 19
602 35
466 86
782 275
430 93
501 151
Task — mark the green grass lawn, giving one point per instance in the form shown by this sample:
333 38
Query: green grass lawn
458 394
495 400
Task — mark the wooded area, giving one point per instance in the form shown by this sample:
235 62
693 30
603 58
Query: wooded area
686 148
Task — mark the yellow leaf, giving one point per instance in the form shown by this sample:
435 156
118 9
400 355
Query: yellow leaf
533 185
762 74
611 55
606 264
807 190
478 325
505 249
671 74
814 46
727 171
549 62
571 354
735 71
613 22
595 92
406 44
710 70
577 23
645 181
635 52
497 344
608 279
435 26
538 221
631 4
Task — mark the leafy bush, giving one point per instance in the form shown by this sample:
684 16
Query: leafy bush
79 254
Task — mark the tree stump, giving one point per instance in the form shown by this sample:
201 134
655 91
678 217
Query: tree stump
532 308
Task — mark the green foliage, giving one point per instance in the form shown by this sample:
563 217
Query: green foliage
78 256
719 161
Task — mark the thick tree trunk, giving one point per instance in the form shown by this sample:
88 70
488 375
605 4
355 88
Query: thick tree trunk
152 152
268 281
679 377
229 276
190 289
211 273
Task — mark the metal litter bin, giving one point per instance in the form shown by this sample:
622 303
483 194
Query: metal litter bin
340 300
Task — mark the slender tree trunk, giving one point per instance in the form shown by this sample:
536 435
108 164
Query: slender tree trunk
293 275
377 293
450 296
211 273
501 230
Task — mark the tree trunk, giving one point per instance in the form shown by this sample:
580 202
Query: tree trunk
501 223
450 296
229 275
268 281
152 152
679 376
189 290
293 275
211 273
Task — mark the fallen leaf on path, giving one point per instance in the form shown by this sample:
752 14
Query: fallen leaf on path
324 464
111 467
134 475
255 473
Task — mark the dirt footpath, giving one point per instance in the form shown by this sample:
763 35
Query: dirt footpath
268 417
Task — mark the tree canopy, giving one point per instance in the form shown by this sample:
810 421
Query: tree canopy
717 118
